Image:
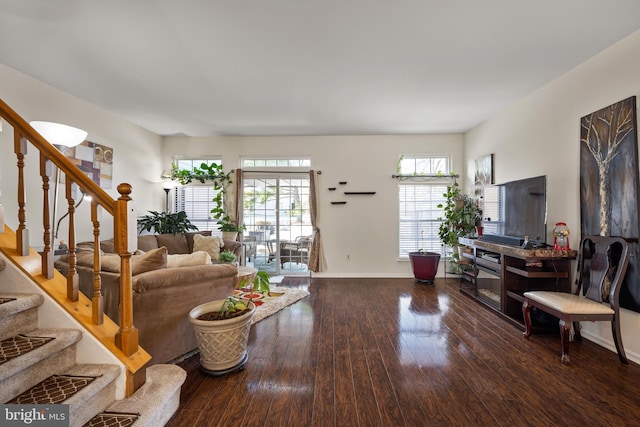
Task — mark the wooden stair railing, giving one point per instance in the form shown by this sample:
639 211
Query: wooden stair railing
124 228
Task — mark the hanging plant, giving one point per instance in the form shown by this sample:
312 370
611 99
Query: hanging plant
220 180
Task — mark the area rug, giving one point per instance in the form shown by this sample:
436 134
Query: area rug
277 299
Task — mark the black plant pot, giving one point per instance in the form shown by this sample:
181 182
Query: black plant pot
424 265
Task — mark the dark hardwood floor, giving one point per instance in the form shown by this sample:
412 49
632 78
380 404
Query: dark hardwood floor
390 352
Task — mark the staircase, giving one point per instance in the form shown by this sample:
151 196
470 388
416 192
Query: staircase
40 365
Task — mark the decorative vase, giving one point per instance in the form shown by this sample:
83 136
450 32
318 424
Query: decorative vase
479 230
424 265
222 343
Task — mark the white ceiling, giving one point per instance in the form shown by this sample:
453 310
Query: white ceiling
306 67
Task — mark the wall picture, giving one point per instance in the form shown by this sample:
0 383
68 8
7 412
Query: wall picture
484 170
96 160
609 184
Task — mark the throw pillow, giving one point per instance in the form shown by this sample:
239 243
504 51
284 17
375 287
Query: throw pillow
187 260
151 260
210 244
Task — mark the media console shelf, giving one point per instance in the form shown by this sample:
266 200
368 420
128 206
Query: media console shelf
502 273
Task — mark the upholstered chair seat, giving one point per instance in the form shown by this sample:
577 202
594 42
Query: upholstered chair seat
602 265
568 303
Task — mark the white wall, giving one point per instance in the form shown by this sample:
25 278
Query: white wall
136 157
366 228
540 136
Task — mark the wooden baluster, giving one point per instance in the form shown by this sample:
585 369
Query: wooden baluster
22 234
47 253
124 223
72 278
97 301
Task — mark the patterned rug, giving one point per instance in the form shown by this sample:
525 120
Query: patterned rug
277 299
53 390
18 345
112 419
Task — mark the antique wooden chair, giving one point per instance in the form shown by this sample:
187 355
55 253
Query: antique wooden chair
602 264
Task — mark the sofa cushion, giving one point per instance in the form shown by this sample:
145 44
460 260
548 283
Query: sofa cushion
154 259
210 244
147 242
107 246
175 243
187 260
189 237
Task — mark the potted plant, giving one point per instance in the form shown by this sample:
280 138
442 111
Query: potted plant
165 223
227 256
478 221
222 329
424 265
459 217
229 229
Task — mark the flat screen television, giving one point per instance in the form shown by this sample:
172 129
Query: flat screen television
517 209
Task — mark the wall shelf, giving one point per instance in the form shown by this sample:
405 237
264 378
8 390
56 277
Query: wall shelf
338 203
350 193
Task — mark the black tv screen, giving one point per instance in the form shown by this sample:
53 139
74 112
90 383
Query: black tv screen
517 208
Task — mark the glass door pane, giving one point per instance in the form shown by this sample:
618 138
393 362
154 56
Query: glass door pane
276 214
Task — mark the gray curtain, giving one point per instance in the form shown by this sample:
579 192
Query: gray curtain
317 261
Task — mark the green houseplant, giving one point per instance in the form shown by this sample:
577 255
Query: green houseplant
165 223
227 256
220 180
459 216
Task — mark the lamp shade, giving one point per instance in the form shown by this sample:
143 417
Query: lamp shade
59 134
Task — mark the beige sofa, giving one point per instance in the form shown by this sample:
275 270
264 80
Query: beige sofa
162 297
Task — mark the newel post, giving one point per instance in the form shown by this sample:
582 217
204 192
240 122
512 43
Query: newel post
125 242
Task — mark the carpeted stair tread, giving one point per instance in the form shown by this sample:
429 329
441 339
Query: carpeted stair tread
20 344
63 339
15 303
19 315
53 390
158 399
112 419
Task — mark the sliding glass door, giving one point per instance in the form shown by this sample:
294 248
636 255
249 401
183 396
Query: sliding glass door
276 214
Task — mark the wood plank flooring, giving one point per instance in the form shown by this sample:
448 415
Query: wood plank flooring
390 352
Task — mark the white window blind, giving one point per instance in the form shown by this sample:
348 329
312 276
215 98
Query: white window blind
195 198
419 198
419 215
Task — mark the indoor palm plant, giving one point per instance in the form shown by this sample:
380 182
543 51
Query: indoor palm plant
165 223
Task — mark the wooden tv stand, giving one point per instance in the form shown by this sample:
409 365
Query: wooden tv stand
500 274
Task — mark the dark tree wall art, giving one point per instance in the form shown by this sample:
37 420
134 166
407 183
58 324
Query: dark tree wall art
609 184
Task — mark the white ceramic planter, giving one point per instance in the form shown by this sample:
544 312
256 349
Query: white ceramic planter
222 343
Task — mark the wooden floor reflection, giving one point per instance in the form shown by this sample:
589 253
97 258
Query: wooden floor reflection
390 352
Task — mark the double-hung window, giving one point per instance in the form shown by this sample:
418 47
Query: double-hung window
423 182
195 198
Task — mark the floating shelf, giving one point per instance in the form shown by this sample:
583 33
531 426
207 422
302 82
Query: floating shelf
350 193
338 203
342 182
332 188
